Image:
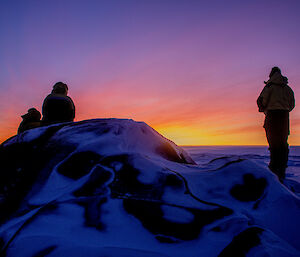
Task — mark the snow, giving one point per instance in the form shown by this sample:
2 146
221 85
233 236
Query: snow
205 154
111 187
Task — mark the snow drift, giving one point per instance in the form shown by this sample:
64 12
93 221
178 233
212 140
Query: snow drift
117 188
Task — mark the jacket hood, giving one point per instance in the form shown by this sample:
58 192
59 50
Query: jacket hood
32 115
278 79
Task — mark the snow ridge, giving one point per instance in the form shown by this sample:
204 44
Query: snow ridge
116 187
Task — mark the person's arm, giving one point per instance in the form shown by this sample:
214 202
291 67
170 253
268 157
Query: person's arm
259 102
72 109
263 99
291 100
44 107
73 114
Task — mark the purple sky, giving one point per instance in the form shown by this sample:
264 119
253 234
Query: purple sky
190 69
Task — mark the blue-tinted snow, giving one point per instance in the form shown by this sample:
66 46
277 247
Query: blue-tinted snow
100 215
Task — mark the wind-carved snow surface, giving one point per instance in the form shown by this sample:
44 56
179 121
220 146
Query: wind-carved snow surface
118 188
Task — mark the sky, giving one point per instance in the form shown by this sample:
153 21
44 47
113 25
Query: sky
192 70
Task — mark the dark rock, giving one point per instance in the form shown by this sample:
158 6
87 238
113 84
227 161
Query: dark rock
97 183
242 243
166 151
251 190
78 164
152 217
93 211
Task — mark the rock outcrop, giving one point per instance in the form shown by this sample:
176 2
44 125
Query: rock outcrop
117 188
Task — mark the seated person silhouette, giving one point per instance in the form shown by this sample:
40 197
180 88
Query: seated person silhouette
32 119
58 107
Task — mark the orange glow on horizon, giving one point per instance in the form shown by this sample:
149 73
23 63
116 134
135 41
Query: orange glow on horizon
176 65
187 120
194 134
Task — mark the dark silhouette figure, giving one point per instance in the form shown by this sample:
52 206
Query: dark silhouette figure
32 119
276 100
58 107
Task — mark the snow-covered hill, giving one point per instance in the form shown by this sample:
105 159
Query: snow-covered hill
117 188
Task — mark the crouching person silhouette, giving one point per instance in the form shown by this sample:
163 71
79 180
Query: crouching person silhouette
58 107
276 100
32 119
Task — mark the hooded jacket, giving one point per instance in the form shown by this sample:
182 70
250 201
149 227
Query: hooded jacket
58 108
30 120
276 95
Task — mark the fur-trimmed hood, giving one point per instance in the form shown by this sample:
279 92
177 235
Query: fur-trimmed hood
277 79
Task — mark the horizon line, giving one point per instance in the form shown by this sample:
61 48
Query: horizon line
227 145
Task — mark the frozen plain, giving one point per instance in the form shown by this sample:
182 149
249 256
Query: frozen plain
204 154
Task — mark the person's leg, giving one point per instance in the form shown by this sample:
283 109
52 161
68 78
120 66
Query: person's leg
277 131
283 142
271 138
283 160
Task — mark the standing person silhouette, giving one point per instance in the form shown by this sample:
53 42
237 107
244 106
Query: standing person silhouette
276 100
57 106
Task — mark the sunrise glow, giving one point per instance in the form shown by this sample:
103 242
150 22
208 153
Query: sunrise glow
190 69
